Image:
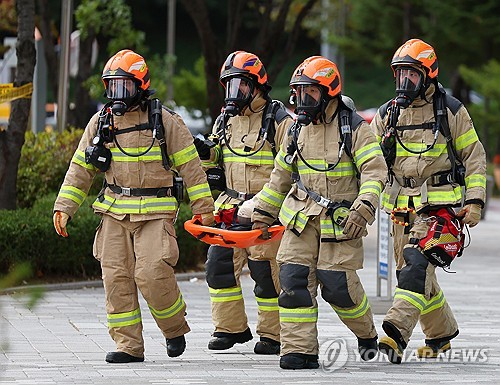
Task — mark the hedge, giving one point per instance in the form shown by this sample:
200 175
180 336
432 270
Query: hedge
27 235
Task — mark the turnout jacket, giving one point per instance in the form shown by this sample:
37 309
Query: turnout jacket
145 171
246 174
413 174
319 145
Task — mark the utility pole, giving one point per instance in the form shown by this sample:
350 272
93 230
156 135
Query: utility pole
170 48
62 94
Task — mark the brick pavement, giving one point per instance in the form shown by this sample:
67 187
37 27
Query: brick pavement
64 339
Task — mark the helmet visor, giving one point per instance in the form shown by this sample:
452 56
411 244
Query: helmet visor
408 79
121 89
239 89
308 96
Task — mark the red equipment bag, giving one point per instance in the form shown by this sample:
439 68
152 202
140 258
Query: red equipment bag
445 239
240 237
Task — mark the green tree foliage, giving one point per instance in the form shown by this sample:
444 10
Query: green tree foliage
189 86
486 81
461 31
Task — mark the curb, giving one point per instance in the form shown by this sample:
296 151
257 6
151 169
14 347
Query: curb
84 284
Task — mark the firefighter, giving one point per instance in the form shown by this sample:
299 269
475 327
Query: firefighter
246 133
325 186
138 145
433 152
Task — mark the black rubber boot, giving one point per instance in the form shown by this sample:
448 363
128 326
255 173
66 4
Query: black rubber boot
267 346
299 361
367 348
122 358
176 346
223 341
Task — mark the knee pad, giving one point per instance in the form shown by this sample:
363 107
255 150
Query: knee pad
334 290
412 276
293 281
260 271
219 267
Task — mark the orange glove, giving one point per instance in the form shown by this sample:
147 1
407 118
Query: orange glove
257 225
60 221
471 214
207 219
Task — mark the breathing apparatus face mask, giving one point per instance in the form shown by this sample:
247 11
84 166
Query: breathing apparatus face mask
409 83
239 93
309 100
123 93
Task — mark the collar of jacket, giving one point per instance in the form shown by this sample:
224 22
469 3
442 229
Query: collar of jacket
331 108
419 102
257 105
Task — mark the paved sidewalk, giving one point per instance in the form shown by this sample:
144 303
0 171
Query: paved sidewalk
64 339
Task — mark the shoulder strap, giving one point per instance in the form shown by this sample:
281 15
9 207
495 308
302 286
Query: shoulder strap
349 121
156 120
382 111
275 111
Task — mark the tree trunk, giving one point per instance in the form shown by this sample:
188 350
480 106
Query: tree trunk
12 140
198 11
49 47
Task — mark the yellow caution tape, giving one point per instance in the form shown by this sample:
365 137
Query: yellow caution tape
8 92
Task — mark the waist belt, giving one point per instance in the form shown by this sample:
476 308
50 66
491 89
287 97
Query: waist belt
159 192
435 180
319 199
239 195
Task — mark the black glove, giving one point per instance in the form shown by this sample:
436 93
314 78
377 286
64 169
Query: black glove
202 148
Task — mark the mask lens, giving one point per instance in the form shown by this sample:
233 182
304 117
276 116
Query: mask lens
308 96
120 89
239 89
408 79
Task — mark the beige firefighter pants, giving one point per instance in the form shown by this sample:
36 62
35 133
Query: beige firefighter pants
139 255
299 332
228 314
433 311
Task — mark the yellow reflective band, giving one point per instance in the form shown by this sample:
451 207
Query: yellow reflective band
434 152
183 156
475 180
417 300
169 311
371 187
288 216
124 319
136 206
466 139
208 164
199 191
280 159
151 155
267 304
261 158
225 295
217 153
440 197
272 197
342 169
434 303
298 315
73 193
79 159
366 152
222 206
357 312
